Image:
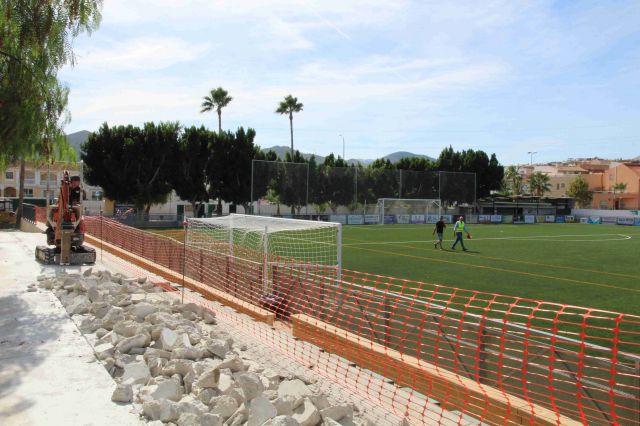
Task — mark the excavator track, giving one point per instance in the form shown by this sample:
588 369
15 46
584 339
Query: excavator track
78 255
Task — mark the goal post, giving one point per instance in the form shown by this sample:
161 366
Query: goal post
270 242
419 210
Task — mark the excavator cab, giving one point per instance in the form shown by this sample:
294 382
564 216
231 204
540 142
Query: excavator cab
65 228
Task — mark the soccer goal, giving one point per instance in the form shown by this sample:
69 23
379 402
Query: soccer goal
270 242
408 210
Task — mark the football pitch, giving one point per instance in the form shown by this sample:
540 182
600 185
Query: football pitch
595 266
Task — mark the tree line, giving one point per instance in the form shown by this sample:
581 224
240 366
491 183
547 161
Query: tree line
142 165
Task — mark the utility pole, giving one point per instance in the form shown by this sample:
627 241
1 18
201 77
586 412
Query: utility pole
531 154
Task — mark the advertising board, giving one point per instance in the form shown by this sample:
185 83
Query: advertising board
338 218
529 218
355 219
371 219
403 218
417 218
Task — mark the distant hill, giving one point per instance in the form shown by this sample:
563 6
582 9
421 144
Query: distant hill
397 156
76 139
393 157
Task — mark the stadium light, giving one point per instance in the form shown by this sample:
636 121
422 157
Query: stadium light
343 148
531 154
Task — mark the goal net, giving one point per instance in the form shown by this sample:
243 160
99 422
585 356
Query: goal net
402 210
258 246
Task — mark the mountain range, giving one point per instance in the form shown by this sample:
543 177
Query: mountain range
78 138
393 157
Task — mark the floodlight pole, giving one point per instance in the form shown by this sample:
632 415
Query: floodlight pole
531 154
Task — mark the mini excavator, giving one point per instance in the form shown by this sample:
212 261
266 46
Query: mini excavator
65 231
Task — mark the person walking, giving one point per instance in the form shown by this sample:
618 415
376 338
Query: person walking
458 230
439 229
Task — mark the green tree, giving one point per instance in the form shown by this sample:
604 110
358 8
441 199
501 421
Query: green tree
539 183
189 165
514 180
216 100
132 164
579 190
288 106
618 188
35 43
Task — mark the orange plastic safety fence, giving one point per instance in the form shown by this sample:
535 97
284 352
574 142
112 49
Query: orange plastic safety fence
424 350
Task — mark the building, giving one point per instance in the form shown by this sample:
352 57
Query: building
606 196
36 178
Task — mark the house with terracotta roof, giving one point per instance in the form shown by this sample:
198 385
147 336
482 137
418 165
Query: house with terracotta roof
606 196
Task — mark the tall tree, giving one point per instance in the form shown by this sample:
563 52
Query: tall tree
36 39
288 106
514 180
132 164
579 190
618 188
188 172
216 100
539 183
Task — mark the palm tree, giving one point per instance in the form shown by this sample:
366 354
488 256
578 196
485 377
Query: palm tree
514 179
216 100
539 183
620 186
289 106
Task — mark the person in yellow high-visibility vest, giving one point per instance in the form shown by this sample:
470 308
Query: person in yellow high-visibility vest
458 230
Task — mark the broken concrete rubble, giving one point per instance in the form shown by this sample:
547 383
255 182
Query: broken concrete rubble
176 365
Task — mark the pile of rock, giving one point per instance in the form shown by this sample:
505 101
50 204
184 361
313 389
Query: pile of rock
174 364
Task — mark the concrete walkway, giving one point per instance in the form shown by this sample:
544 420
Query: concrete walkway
48 373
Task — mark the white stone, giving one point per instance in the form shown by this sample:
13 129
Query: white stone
163 410
179 366
271 379
168 339
307 414
103 350
209 379
122 393
165 389
136 373
101 332
80 305
224 405
320 401
250 384
281 421
295 388
142 310
205 395
260 410
218 348
156 365
186 353
336 412
188 419
208 317
225 383
284 405
189 404
209 419
128 328
233 363
138 341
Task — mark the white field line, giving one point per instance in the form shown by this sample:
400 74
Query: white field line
549 238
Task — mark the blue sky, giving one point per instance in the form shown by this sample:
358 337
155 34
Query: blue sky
561 78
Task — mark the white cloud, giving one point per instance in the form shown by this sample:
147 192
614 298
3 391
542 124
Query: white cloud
145 53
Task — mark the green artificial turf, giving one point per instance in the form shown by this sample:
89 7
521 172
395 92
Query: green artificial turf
595 266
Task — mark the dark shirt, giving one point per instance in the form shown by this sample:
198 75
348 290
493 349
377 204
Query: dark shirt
74 195
440 226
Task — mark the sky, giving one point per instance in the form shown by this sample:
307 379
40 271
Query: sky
558 78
